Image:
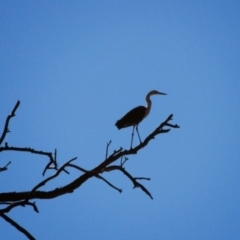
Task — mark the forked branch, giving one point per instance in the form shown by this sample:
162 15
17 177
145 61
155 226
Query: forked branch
15 199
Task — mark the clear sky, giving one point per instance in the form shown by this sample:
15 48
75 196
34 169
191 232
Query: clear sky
77 67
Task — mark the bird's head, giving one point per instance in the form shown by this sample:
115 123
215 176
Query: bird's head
155 92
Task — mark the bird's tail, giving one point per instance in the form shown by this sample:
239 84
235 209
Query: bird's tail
119 124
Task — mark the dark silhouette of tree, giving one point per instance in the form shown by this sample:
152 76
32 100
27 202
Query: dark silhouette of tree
10 200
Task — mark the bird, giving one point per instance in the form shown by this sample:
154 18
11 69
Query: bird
136 115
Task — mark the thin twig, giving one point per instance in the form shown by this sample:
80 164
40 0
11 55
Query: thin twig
19 203
142 178
97 176
77 167
30 150
5 167
6 130
108 144
133 179
123 162
55 157
110 184
52 164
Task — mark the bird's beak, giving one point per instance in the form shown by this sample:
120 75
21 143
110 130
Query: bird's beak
161 93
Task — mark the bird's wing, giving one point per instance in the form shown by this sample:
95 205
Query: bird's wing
133 117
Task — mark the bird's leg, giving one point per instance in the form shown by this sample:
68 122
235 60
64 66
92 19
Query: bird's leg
138 134
132 136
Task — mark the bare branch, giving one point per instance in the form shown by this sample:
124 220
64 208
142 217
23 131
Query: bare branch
97 176
17 226
118 154
133 179
123 161
108 144
77 167
30 150
69 188
142 178
6 130
55 157
5 167
110 184
19 203
52 164
49 178
15 199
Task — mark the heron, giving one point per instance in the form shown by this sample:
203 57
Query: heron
136 115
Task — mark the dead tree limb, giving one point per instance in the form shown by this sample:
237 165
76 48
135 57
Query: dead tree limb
16 199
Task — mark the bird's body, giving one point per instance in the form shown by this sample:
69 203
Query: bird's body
130 118
136 115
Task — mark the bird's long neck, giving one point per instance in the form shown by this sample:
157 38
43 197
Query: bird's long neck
149 104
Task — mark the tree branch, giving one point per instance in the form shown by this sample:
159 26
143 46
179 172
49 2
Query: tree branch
6 130
69 188
136 184
30 150
120 153
15 199
97 176
19 203
17 226
49 178
5 167
108 144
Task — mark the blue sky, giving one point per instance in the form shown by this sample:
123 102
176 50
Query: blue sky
77 67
